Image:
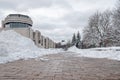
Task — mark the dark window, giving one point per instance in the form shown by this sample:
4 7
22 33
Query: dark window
33 35
39 41
18 25
45 43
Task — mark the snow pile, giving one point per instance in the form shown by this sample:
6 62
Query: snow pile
74 49
13 46
109 53
63 43
107 48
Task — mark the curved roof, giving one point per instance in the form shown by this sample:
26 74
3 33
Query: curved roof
18 18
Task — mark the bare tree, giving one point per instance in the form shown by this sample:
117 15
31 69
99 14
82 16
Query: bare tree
116 24
105 28
98 30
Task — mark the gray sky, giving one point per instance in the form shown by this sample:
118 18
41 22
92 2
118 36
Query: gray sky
57 19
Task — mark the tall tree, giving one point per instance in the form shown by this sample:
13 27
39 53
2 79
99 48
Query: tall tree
116 24
78 41
97 32
74 39
78 37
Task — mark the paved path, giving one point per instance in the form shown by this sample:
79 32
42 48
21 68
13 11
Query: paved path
64 66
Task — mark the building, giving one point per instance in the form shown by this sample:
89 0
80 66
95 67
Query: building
22 24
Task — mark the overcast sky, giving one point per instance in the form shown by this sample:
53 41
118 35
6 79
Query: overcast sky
57 19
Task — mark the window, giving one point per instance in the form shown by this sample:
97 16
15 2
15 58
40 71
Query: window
18 25
33 35
39 42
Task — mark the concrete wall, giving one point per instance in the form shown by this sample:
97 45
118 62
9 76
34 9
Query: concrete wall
36 36
47 43
23 31
44 42
51 43
31 34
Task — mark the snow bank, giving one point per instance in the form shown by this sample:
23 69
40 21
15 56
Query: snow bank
13 46
106 48
109 53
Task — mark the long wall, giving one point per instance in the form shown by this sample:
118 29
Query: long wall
39 40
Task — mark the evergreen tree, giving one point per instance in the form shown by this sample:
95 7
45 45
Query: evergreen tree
74 39
78 37
78 40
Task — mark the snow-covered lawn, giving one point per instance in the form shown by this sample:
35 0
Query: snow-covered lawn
109 53
13 46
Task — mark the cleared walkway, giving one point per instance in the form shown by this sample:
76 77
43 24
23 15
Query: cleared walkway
63 66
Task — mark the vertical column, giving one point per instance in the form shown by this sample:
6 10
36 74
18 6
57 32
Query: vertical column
43 41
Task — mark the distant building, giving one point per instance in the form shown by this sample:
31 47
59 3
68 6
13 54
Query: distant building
61 44
17 21
22 24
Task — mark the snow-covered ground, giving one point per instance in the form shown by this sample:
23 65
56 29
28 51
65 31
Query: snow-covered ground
109 53
13 46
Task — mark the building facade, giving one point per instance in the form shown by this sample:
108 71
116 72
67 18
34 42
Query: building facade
22 24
